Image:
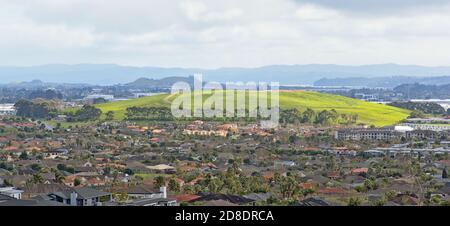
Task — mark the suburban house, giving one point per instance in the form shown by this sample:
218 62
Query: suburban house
366 134
154 202
444 191
235 199
52 154
158 199
33 190
311 202
11 192
81 197
9 201
145 192
161 168
283 164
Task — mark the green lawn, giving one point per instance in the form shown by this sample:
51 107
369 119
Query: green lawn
369 113
119 108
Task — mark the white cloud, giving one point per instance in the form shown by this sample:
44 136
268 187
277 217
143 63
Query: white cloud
312 12
213 33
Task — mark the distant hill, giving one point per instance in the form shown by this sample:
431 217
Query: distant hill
38 84
145 83
368 113
108 74
422 91
386 82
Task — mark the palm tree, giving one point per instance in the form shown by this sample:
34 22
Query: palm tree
159 181
414 170
59 178
288 187
37 179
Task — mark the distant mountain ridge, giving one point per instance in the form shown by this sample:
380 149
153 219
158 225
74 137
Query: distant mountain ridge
145 83
384 82
37 84
108 74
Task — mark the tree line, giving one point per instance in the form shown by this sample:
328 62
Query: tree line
309 116
425 107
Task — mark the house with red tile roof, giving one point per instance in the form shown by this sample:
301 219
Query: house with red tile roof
184 197
359 170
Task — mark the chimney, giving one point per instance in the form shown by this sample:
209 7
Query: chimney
73 198
163 189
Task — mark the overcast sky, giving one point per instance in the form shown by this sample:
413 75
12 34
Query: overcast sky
226 33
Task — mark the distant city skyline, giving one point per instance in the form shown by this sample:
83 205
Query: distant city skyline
232 33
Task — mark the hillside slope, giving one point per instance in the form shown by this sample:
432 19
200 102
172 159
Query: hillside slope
369 113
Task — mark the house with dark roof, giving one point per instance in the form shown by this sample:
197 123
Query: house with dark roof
184 197
311 202
30 202
5 197
85 169
11 192
258 196
444 191
145 192
52 154
33 190
154 202
6 200
157 199
81 197
235 199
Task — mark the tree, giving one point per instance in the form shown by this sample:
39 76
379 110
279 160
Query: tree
59 178
417 114
292 139
159 181
37 179
7 183
35 167
173 185
380 202
61 166
109 116
444 173
289 187
38 108
354 201
326 117
86 113
23 155
215 185
308 116
370 184
76 182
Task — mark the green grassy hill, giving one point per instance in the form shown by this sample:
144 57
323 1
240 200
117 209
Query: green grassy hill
369 113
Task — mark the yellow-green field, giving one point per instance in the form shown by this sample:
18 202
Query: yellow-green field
368 113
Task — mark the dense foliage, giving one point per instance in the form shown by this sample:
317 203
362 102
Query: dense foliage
309 116
425 107
421 91
87 113
38 108
149 113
